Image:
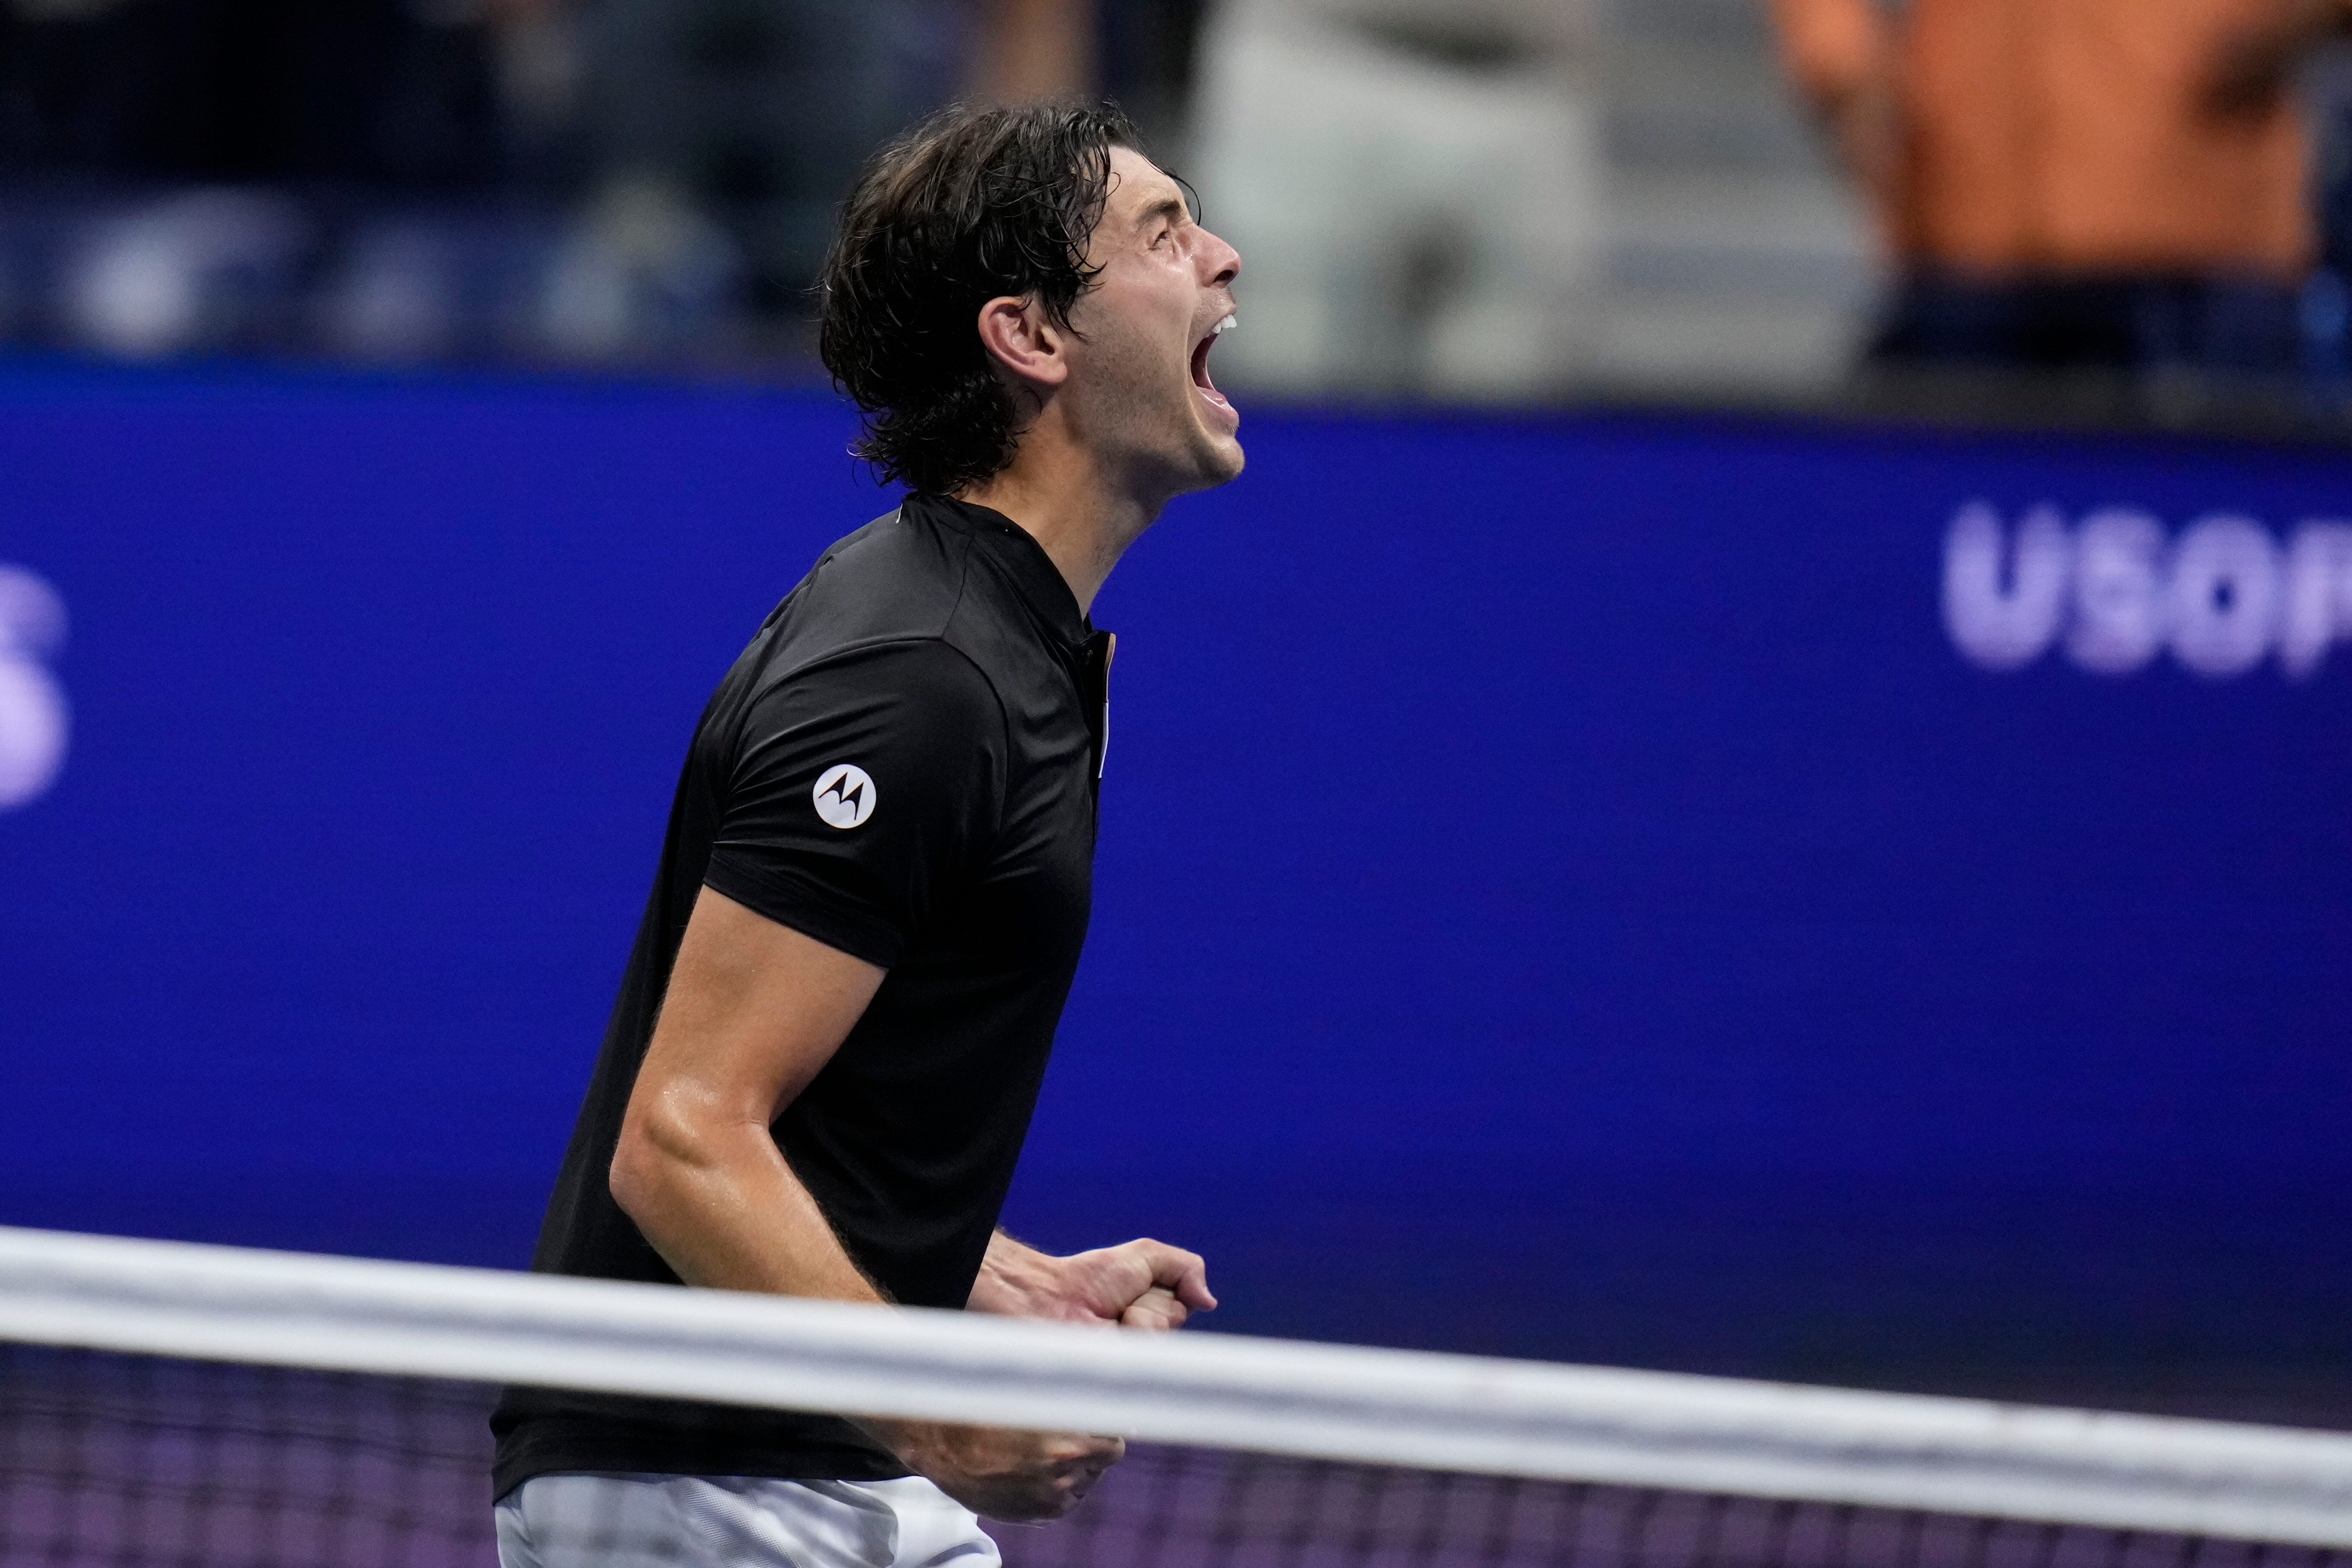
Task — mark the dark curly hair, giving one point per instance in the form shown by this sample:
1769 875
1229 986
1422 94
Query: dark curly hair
971 204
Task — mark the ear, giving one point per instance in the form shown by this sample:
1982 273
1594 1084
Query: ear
1019 337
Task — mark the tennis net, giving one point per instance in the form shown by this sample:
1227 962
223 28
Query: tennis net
163 1403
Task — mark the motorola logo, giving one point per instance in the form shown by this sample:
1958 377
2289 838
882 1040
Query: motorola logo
844 795
2114 589
33 718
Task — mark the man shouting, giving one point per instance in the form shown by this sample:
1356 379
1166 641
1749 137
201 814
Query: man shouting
878 874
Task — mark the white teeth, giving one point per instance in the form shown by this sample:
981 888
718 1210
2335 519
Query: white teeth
1227 325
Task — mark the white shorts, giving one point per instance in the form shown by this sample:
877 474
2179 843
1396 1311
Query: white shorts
737 1522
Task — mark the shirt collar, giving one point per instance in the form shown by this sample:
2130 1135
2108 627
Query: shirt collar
1033 573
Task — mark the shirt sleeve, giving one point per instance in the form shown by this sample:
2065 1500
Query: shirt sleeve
861 790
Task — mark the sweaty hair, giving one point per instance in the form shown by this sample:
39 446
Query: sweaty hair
971 204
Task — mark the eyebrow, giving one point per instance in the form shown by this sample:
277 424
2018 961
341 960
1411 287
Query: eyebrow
1169 206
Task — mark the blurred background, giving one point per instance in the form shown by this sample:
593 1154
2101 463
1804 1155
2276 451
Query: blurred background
2104 210
1753 781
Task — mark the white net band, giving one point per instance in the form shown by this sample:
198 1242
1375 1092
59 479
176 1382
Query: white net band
1412 1409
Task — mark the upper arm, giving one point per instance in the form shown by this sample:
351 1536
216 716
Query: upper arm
755 1011
910 740
806 902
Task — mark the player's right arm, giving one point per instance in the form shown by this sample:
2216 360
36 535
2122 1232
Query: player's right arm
754 1010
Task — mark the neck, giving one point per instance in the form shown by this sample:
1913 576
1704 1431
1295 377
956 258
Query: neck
1061 496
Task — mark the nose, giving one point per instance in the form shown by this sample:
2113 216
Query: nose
1218 262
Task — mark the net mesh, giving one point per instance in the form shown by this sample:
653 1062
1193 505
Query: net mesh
134 1460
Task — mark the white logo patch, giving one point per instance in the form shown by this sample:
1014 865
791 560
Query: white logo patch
844 795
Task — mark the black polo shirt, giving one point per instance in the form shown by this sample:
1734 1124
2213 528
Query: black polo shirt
903 765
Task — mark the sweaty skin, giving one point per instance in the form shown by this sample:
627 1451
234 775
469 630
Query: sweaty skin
1125 418
1120 418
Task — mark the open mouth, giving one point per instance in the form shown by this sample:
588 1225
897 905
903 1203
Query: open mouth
1208 388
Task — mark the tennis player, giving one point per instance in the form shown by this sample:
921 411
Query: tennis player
878 873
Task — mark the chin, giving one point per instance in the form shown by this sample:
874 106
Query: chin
1231 461
1217 460
1217 456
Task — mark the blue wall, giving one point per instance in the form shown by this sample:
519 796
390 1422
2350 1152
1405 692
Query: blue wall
1567 887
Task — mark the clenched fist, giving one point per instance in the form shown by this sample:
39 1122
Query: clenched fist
1022 1477
1137 1285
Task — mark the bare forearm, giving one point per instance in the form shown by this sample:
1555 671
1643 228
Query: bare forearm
755 1011
724 1211
1015 1279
